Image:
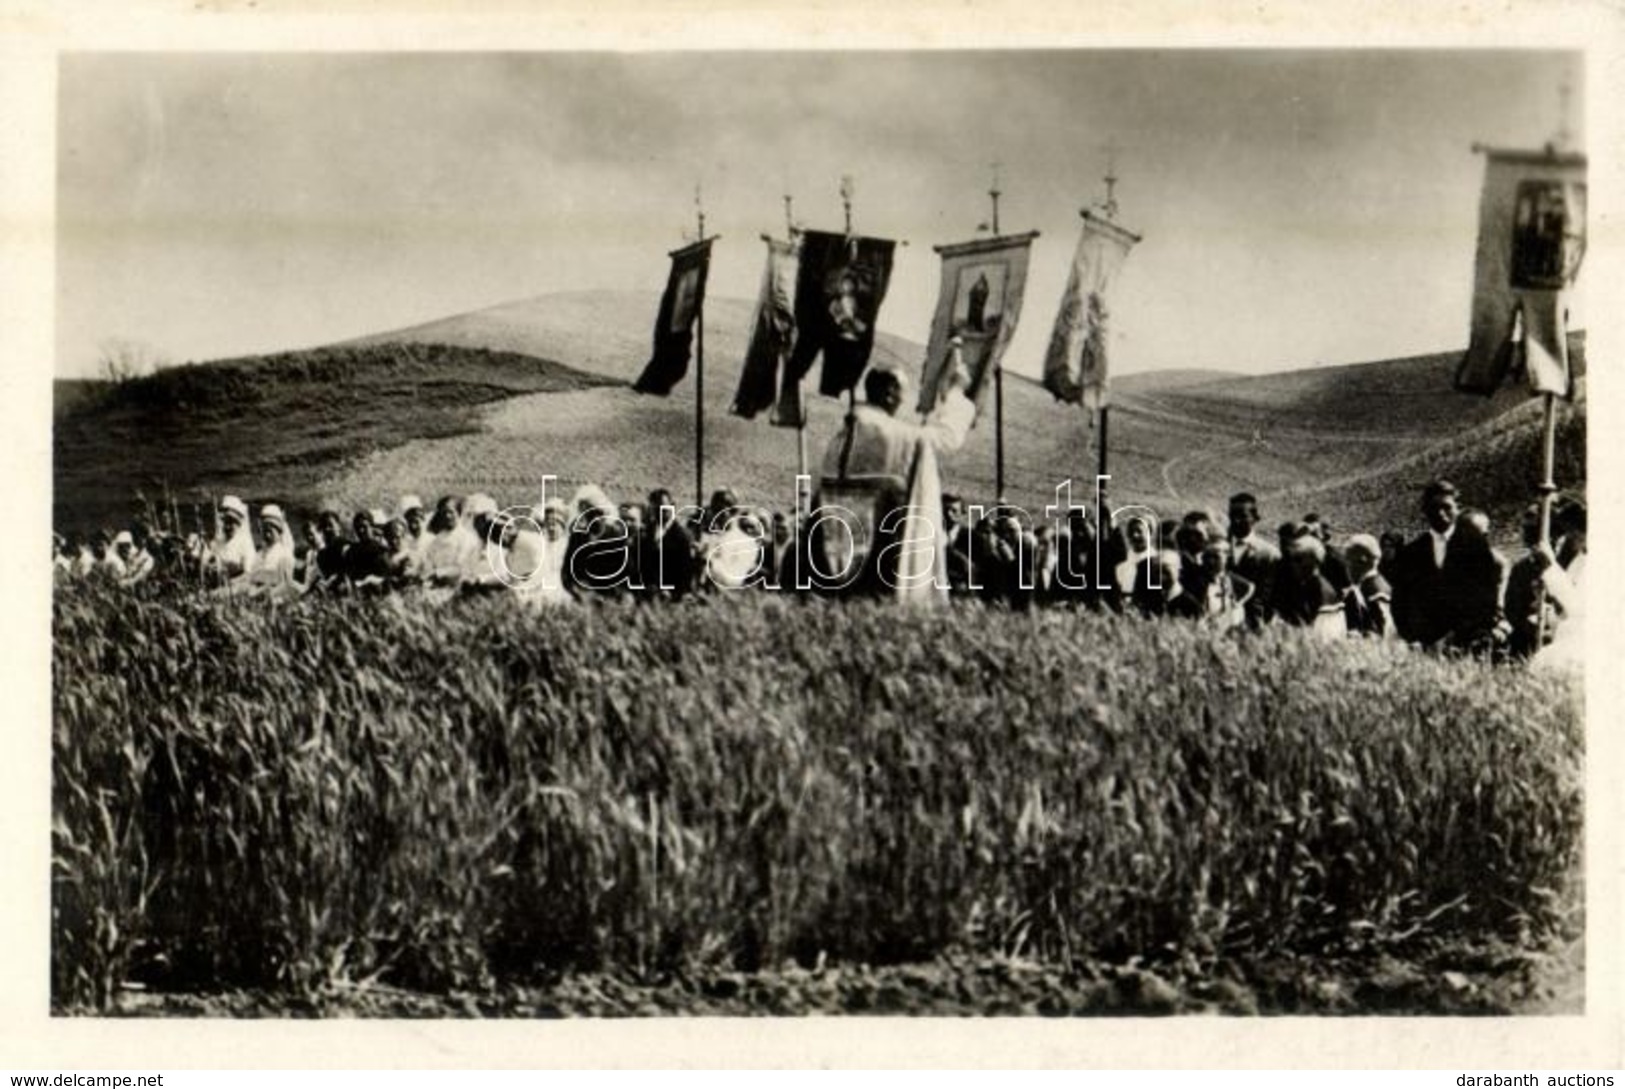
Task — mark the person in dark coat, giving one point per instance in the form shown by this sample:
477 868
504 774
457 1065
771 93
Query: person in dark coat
330 557
1481 626
1189 601
992 563
1077 579
1522 600
366 561
1446 581
1391 543
958 533
1304 594
667 550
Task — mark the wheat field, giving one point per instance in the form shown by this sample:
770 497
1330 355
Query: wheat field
303 797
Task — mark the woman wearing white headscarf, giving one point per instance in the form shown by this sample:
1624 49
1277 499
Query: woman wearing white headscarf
536 559
737 557
452 544
483 566
275 569
592 500
232 554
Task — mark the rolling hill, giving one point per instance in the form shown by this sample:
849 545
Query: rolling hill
1352 442
270 427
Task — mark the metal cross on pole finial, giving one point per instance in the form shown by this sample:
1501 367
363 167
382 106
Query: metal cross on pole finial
789 216
699 209
847 189
1110 206
994 193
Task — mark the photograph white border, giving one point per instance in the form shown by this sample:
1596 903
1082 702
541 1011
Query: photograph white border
33 35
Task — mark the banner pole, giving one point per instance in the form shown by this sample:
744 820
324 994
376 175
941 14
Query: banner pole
998 431
801 434
1548 489
699 405
1102 459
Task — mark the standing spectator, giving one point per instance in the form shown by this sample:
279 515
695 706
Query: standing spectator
737 557
366 561
84 558
781 571
988 567
1143 580
956 535
1368 599
232 555
1191 574
1049 543
416 538
1392 543
720 511
536 555
1562 576
402 556
110 555
1077 575
1333 568
1306 599
485 564
667 564
600 559
1224 593
1523 601
1447 582
330 560
136 555
275 570
1253 558
1019 550
1203 521
1480 626
1429 573
452 545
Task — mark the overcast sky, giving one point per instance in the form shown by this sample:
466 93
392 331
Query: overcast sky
1297 207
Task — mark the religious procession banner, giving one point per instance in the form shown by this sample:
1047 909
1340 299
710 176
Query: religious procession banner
980 302
1075 365
773 331
839 288
1531 238
674 326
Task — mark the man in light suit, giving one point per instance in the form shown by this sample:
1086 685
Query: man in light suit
1253 558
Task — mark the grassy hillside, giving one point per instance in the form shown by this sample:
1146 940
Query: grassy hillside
69 395
1496 464
1179 439
609 333
273 426
1349 441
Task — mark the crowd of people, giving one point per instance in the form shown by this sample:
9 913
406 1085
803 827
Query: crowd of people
1445 588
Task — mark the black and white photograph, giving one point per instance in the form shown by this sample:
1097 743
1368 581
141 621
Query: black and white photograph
752 533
